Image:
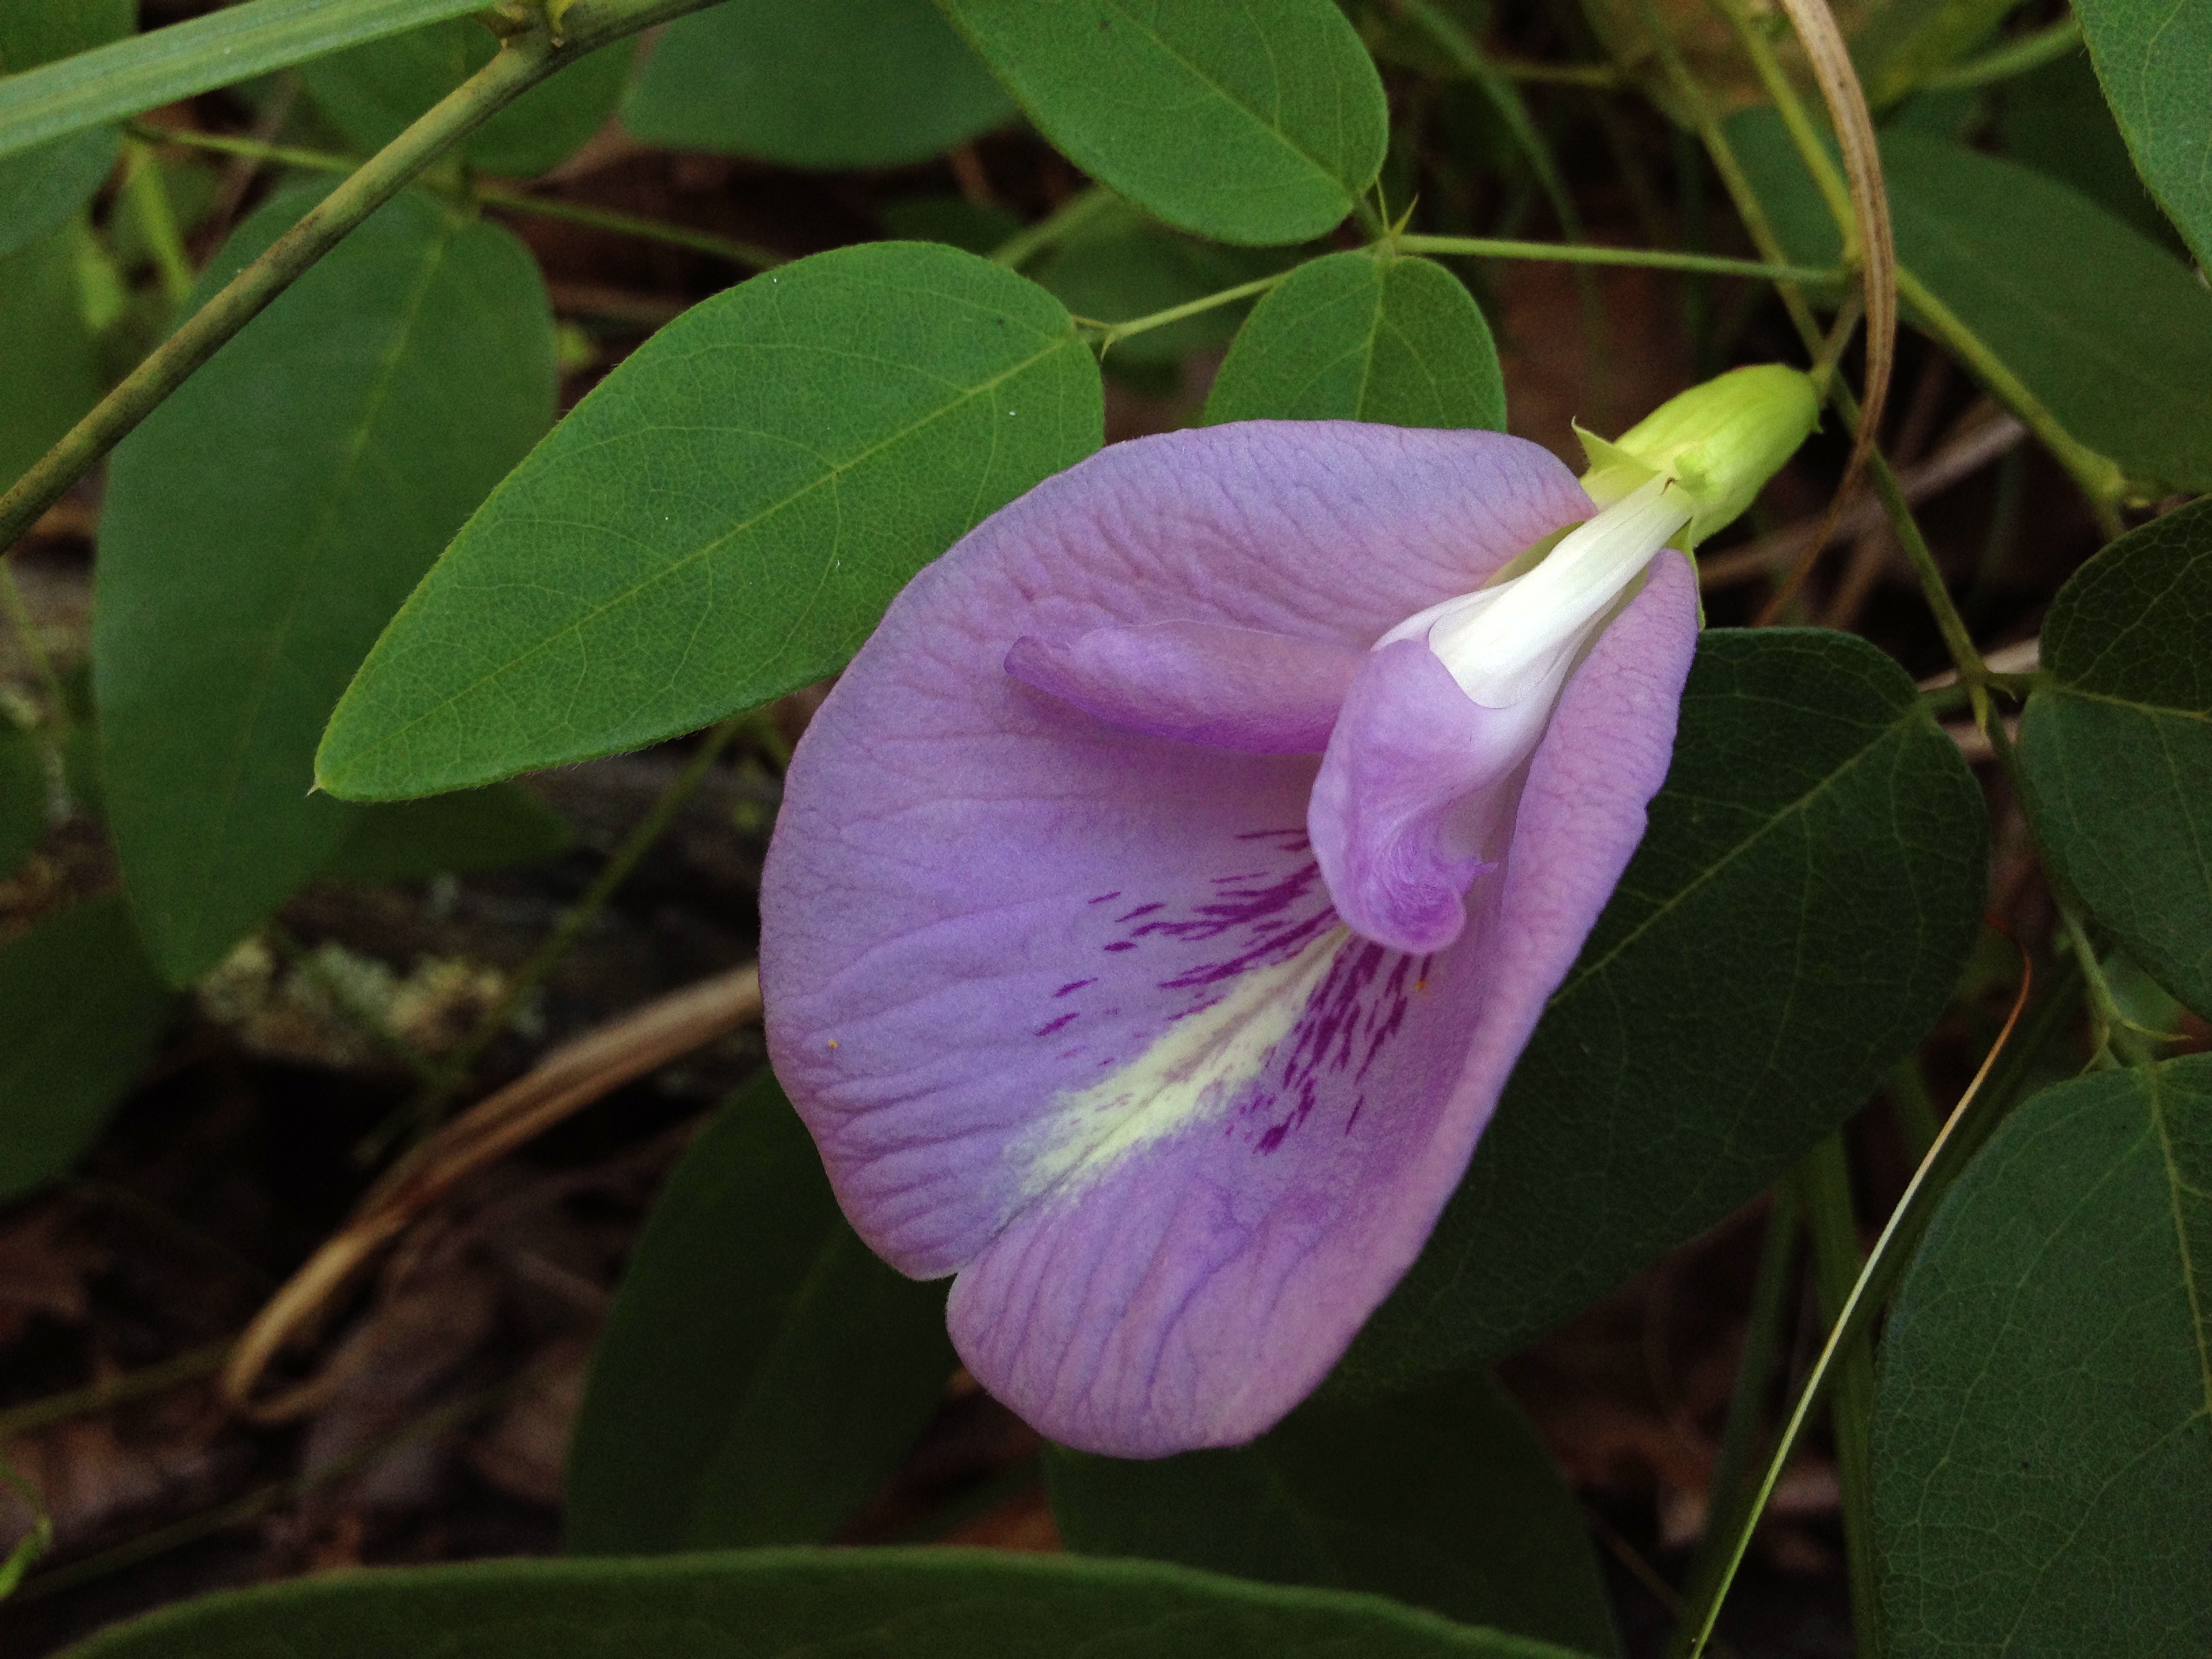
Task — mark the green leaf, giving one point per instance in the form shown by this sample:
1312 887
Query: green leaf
974 226
1792 925
2108 330
2155 58
128 77
375 92
41 189
49 361
1120 266
787 1604
22 796
1350 337
2117 751
2055 120
267 521
35 32
80 1011
723 518
2043 1457
762 1374
448 834
1244 120
1443 1499
831 83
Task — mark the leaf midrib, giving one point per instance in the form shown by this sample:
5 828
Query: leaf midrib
833 473
312 547
1774 821
2136 705
1279 134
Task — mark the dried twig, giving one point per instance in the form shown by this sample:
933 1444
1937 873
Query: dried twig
1773 554
565 1081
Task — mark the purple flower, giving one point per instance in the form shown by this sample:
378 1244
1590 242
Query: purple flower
1163 896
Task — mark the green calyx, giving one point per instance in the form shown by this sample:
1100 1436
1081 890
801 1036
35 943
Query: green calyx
1720 442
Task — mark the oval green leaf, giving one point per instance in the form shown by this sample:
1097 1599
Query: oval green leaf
266 521
1792 925
448 834
832 83
1356 337
42 188
2042 1431
2116 752
49 361
2107 330
1119 266
779 1604
1244 120
763 1373
1442 1498
81 1010
723 518
35 32
2055 120
2155 58
373 93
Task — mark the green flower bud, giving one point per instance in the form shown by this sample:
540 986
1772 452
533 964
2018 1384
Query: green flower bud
1719 441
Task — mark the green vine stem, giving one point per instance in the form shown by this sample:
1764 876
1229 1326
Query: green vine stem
1958 639
1109 333
1599 77
1727 1494
1055 227
2113 1037
1825 1176
1574 253
2097 477
526 60
2030 51
1963 1134
1504 97
749 255
149 198
1586 253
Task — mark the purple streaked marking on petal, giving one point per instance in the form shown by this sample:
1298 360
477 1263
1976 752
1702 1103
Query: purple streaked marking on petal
1204 1286
1074 985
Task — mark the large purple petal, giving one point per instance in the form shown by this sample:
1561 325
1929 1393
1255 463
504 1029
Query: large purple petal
1230 687
1191 1293
1013 952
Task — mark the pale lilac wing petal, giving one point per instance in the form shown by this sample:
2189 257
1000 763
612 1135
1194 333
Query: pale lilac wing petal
1191 1292
980 901
1229 688
1413 796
